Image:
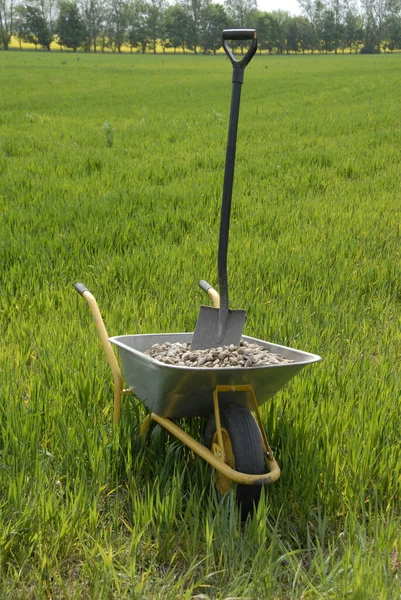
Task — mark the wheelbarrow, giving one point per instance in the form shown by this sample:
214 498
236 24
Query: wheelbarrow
234 442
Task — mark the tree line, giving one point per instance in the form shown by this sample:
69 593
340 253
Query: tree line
195 25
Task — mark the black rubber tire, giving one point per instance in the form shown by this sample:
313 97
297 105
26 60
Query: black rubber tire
247 445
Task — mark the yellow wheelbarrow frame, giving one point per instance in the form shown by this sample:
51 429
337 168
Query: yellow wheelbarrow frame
219 457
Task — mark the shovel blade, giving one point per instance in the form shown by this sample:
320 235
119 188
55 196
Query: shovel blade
207 335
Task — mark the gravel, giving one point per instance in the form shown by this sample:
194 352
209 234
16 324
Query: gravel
243 356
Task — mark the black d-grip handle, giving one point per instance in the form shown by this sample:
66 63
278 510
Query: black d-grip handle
240 35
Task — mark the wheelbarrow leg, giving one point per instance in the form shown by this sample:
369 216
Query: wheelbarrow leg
210 457
111 358
145 426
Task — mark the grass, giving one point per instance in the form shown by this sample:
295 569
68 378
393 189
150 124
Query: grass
111 174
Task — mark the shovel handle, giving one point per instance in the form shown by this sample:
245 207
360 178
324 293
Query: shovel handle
240 35
237 80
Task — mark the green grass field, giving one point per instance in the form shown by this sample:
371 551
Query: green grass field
111 173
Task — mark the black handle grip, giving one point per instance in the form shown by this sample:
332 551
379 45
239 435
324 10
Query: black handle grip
239 34
80 288
204 285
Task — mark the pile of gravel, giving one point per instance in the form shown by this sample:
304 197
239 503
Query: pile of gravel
242 356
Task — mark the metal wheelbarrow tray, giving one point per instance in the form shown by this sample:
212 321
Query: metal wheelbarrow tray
175 391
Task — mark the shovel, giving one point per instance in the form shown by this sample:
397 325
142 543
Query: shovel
221 326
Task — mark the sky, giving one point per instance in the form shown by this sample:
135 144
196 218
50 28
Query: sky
291 6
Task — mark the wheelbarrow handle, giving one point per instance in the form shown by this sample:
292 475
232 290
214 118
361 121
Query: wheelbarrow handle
240 35
212 293
104 338
80 288
204 285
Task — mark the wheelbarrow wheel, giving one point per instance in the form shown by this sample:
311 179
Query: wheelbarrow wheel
243 448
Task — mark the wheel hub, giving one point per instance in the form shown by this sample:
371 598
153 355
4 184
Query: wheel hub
226 455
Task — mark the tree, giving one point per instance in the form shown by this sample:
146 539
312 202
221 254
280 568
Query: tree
194 8
377 14
291 37
243 13
116 23
313 10
278 31
178 26
20 25
337 9
305 34
353 30
262 26
298 34
393 33
213 20
93 15
70 27
33 27
6 22
329 37
271 34
155 14
392 25
46 10
138 31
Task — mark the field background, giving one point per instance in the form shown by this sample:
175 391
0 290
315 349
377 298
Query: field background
111 174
